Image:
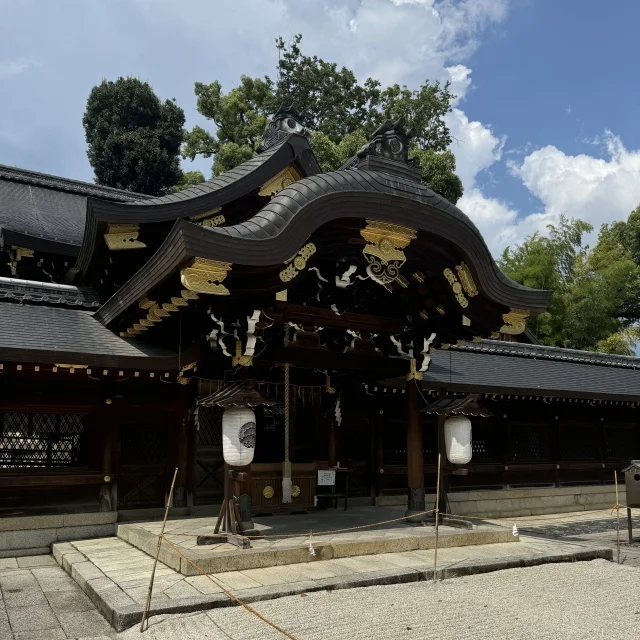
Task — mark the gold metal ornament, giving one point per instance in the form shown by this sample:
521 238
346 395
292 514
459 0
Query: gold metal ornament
515 321
205 214
456 287
191 366
295 491
268 492
467 280
146 303
298 263
283 179
204 276
216 221
413 374
123 236
384 249
209 218
281 296
239 359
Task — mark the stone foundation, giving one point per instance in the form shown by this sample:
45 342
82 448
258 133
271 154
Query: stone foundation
506 503
33 535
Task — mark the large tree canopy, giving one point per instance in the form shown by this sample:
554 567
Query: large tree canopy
595 291
134 139
341 113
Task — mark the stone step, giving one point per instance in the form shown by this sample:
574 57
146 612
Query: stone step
277 551
115 575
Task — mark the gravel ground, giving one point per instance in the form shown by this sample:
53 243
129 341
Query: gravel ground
595 599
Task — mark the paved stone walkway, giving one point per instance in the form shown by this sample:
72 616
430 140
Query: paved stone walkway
595 600
597 528
41 602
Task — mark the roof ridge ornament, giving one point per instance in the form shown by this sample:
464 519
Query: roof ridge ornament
286 120
388 151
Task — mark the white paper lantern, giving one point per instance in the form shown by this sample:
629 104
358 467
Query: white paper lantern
457 439
238 435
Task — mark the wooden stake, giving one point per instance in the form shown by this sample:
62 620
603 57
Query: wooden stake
615 475
145 613
435 555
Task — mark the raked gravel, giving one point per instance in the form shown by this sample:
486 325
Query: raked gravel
594 600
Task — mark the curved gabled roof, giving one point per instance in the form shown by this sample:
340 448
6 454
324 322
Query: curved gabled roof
308 204
231 185
47 213
291 217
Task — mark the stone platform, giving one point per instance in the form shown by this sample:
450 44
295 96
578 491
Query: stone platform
287 539
114 575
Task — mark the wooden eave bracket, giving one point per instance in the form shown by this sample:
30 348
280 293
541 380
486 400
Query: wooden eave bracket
123 236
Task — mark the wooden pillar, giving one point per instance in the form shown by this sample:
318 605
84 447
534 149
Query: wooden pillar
333 456
242 490
443 501
182 458
415 457
108 497
192 463
379 452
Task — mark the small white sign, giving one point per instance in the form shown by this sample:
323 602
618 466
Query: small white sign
326 478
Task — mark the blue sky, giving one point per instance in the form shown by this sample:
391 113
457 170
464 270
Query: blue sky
545 123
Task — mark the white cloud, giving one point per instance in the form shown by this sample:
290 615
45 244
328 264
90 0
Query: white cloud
15 67
596 190
475 146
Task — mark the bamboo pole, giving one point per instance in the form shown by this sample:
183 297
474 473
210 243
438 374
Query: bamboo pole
435 555
145 613
615 475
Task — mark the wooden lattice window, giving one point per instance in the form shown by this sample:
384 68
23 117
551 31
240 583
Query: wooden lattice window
209 426
143 445
621 442
528 442
40 439
577 442
483 441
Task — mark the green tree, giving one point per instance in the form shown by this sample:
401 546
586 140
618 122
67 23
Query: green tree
133 138
188 179
341 113
593 289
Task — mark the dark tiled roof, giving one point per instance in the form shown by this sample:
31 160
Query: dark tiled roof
237 393
458 406
66 184
501 367
59 294
218 182
49 208
539 351
34 333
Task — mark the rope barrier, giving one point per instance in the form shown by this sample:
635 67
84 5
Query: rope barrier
317 533
228 593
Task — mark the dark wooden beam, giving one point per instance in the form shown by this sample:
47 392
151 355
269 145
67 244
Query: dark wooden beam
316 316
317 359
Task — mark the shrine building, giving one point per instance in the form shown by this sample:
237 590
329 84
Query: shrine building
365 307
